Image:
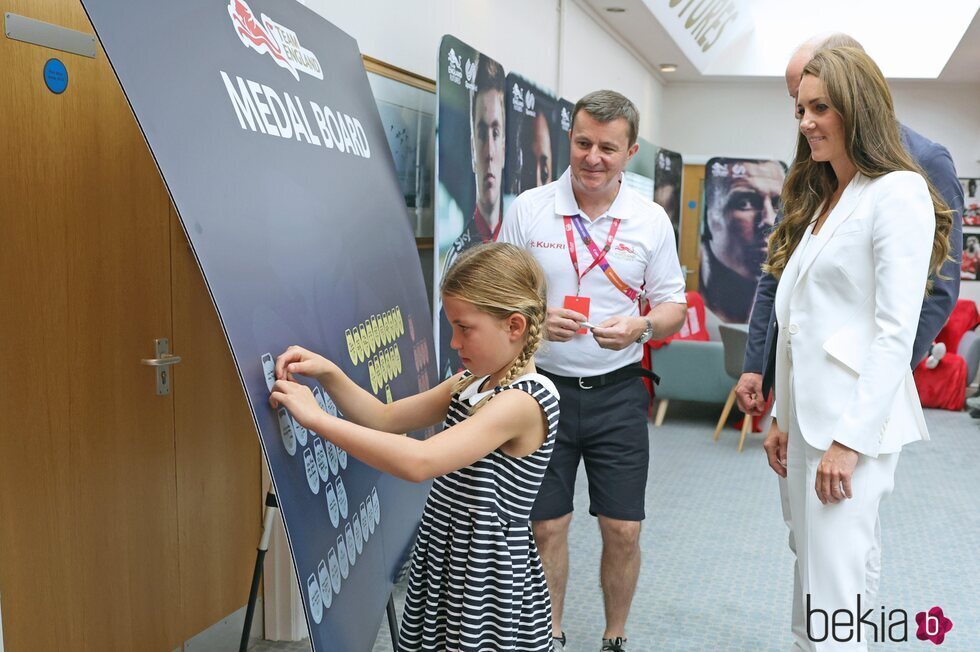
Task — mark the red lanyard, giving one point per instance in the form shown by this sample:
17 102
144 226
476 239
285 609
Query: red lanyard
598 256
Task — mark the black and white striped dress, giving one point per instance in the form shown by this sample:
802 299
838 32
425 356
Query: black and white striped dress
476 582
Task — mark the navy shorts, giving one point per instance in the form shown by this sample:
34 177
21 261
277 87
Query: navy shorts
607 428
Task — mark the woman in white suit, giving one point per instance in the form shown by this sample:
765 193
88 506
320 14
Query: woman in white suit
861 233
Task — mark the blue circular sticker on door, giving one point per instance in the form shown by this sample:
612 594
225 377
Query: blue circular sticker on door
55 76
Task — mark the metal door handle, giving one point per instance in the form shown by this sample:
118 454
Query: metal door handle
164 360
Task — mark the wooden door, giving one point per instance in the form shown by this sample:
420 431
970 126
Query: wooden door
691 211
218 456
88 543
128 520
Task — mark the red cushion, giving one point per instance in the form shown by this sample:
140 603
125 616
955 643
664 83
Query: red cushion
963 318
693 328
945 386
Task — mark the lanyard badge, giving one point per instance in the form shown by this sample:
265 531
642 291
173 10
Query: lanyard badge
598 256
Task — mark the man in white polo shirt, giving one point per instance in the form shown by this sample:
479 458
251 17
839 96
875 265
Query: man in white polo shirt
602 246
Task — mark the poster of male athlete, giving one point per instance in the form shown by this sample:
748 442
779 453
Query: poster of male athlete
532 135
471 135
741 201
667 187
559 140
261 120
971 201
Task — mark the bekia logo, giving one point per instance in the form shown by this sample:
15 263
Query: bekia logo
529 102
470 75
844 626
933 625
266 36
517 98
455 67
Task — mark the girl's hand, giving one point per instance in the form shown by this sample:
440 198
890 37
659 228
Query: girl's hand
298 400
297 360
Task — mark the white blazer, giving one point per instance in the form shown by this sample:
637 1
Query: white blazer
847 307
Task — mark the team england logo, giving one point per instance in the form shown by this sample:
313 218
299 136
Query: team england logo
266 36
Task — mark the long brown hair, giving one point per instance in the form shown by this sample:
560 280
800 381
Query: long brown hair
501 279
859 94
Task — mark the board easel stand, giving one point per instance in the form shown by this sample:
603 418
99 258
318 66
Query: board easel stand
271 507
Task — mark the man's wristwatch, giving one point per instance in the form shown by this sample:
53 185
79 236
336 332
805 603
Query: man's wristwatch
647 333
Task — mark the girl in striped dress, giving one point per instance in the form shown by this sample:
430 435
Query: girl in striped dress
476 582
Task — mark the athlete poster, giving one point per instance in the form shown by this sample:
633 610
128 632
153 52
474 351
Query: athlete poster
741 199
970 263
532 136
262 122
971 202
471 144
655 173
667 187
561 142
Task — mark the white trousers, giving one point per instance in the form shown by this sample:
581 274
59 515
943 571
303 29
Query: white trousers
837 546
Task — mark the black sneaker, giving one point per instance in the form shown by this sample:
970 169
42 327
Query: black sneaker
558 644
617 644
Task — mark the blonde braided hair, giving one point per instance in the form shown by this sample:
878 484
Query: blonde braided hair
500 279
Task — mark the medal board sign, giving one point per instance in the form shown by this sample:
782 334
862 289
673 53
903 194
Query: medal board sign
261 119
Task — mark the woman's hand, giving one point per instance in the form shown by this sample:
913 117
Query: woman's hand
834 473
299 401
297 360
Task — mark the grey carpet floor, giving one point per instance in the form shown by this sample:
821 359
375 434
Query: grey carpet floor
717 573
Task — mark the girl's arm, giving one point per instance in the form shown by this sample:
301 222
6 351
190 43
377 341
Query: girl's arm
360 406
510 417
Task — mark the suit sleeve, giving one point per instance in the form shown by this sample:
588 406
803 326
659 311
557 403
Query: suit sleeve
939 304
902 233
755 346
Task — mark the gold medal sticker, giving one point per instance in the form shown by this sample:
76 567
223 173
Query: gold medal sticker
365 341
368 335
350 345
358 347
373 375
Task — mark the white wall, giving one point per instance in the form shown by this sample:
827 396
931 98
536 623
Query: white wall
750 118
525 36
592 59
741 119
946 113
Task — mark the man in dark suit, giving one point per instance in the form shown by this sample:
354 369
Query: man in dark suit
758 368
